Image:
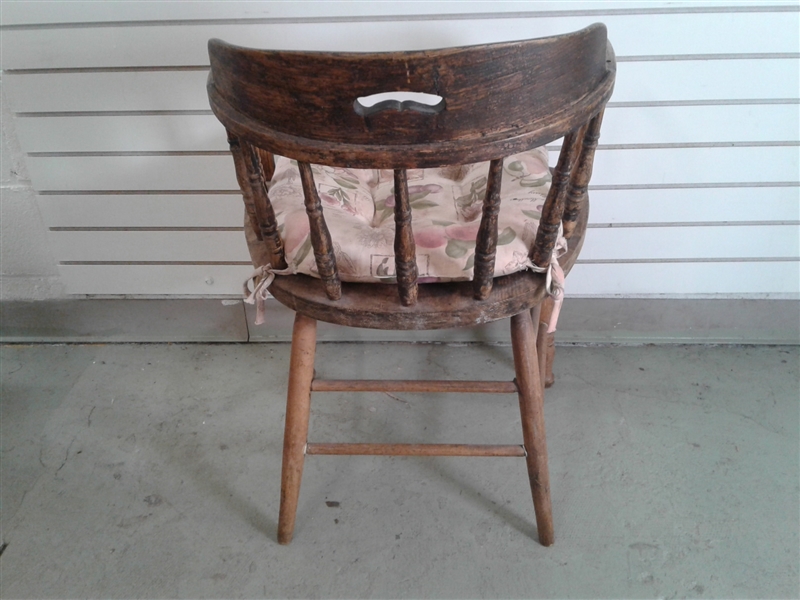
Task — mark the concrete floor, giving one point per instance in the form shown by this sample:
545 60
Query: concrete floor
152 471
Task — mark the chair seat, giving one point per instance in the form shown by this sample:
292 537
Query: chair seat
439 305
446 210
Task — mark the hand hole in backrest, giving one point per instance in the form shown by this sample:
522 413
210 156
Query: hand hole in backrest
427 104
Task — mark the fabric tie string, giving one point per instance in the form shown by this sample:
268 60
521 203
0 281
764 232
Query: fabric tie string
262 278
554 282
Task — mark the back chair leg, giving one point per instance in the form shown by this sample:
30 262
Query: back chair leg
298 406
531 405
550 356
545 342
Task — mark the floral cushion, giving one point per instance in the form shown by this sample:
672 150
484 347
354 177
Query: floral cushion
446 208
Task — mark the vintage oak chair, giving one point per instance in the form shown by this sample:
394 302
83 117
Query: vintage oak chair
485 104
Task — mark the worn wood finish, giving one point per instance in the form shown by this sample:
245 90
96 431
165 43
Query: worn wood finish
553 210
486 242
541 318
438 306
244 184
405 259
499 99
320 236
254 167
545 344
416 449
531 406
413 386
495 100
549 377
298 406
579 184
267 163
264 213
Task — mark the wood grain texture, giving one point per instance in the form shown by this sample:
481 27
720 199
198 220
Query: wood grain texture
497 99
415 449
438 306
404 249
531 405
242 176
320 236
267 163
579 182
413 386
545 342
553 210
298 407
486 242
500 99
262 207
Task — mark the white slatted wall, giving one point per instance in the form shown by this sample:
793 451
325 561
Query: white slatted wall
696 179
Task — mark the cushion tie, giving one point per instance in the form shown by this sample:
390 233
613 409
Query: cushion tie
262 278
554 282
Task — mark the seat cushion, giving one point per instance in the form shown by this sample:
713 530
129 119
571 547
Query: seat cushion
446 205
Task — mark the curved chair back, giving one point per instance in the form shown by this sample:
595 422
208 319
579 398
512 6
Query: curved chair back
489 101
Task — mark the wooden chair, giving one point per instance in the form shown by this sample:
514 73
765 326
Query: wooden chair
494 100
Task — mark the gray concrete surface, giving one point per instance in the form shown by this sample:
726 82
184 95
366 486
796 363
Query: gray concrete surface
152 471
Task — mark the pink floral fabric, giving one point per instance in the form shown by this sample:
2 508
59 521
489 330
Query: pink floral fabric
446 206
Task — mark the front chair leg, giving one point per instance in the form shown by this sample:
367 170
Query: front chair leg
531 405
298 406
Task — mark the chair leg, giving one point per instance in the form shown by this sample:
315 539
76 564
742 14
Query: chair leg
298 406
550 356
545 342
531 405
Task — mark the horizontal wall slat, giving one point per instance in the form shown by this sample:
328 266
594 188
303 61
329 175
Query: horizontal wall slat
153 280
650 243
724 76
706 80
653 125
153 210
665 34
124 133
701 124
612 167
695 205
135 246
83 11
585 280
133 173
695 165
157 90
185 90
654 243
685 279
